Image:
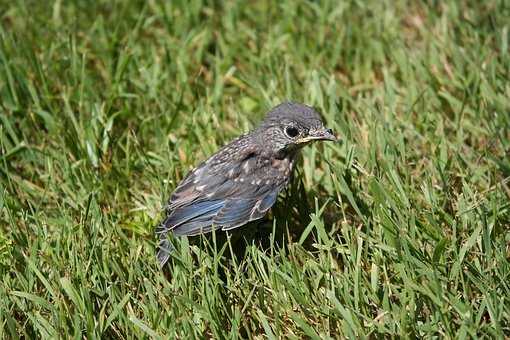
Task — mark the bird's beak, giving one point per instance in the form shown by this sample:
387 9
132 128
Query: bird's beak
322 134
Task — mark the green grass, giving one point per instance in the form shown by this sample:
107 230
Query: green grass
401 230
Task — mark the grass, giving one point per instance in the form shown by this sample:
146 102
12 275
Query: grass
402 230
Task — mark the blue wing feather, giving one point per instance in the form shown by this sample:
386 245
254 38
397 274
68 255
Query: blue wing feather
236 213
194 227
187 213
182 220
268 201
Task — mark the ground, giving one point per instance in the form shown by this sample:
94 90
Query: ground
400 230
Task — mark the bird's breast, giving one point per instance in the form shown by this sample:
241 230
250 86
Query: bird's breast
284 166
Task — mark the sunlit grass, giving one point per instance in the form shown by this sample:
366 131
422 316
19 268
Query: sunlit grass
401 230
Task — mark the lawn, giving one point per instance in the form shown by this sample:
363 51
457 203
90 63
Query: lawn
400 230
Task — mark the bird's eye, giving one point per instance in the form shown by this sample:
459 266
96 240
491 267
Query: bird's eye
291 131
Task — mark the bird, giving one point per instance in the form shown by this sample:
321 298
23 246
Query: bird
241 181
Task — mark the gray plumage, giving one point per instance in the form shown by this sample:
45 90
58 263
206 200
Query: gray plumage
241 181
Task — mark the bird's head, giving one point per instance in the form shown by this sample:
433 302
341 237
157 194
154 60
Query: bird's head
290 126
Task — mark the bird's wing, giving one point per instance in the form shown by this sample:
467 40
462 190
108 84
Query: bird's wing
224 193
213 174
237 212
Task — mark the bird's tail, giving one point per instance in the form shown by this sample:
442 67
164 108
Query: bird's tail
165 248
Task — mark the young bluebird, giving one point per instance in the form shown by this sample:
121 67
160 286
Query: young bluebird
241 181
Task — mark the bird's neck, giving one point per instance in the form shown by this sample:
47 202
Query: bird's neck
287 153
